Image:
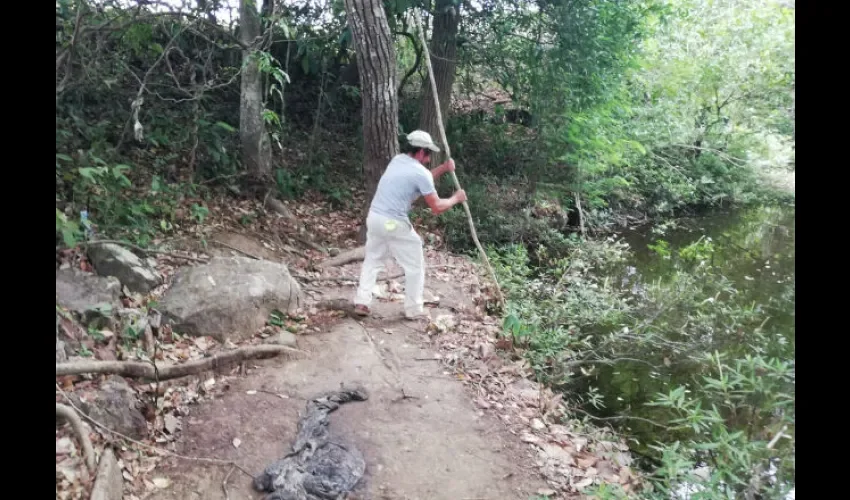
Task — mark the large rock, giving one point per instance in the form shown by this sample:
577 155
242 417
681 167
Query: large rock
114 406
110 259
284 338
80 292
230 297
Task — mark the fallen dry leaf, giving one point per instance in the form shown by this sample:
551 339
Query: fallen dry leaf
586 461
65 446
626 475
556 452
528 437
504 344
161 482
584 483
444 322
170 422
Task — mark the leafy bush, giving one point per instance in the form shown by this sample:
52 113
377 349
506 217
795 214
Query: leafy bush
739 418
580 314
551 310
112 202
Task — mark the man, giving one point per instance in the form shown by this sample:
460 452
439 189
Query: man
388 229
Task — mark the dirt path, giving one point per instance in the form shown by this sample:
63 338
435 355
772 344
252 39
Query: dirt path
432 445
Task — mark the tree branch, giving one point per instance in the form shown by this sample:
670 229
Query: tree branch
737 161
310 279
418 50
622 417
436 96
68 55
143 85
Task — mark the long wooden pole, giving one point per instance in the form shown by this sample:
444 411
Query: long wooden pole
442 128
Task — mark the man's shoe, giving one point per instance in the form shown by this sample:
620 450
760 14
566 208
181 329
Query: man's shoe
361 310
422 316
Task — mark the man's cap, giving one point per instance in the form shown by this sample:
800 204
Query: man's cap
422 139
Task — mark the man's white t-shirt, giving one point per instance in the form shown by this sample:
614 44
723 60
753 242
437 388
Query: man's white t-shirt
404 180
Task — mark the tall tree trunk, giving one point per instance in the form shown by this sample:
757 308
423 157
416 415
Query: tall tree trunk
256 147
443 55
376 64
209 9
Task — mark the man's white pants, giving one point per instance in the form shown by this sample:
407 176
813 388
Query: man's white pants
387 237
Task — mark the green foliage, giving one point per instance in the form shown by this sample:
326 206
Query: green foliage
711 101
484 148
218 143
639 106
726 65
67 229
288 185
701 250
329 181
550 309
576 320
199 212
113 203
270 66
661 247
741 420
500 219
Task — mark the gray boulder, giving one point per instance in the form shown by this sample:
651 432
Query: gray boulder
284 338
81 292
110 259
229 297
115 406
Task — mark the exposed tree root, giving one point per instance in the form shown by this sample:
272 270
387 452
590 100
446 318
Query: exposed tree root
146 251
68 414
345 305
278 207
149 371
353 255
355 279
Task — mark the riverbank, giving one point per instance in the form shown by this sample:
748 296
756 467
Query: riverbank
642 330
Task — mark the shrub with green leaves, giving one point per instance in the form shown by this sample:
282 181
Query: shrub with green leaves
714 433
552 310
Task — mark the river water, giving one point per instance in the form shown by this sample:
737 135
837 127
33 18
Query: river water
755 249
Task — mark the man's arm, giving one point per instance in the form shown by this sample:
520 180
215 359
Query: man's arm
439 205
437 172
